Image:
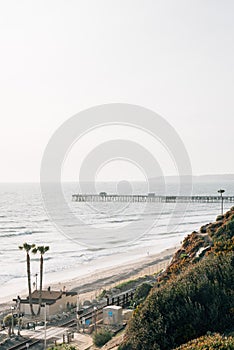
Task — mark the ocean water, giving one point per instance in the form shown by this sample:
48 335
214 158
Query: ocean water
23 218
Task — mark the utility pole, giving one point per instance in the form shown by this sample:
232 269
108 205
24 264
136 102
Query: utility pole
77 313
12 320
45 327
221 195
18 314
36 279
95 318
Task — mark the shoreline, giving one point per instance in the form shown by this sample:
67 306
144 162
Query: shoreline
109 278
90 285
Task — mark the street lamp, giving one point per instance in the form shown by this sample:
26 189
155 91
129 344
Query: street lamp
221 195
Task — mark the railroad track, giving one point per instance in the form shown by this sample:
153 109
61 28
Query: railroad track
26 344
69 324
119 299
90 314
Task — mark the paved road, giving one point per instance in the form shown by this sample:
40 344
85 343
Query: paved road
83 341
51 333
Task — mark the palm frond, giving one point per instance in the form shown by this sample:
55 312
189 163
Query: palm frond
34 250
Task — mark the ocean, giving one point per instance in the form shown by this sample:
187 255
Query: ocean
23 218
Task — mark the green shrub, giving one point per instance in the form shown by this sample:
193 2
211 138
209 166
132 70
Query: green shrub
63 347
8 320
142 292
130 283
101 337
199 300
8 323
102 294
124 347
211 342
223 236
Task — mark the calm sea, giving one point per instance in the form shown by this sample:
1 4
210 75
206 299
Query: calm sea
23 219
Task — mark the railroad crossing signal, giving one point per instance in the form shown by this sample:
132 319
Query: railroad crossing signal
80 312
21 314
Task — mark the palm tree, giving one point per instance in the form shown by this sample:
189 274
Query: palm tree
7 321
42 250
29 247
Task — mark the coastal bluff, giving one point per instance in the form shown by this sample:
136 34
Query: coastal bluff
193 296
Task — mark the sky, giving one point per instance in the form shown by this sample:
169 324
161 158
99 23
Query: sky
61 57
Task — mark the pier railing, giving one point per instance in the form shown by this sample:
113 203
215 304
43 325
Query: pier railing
149 198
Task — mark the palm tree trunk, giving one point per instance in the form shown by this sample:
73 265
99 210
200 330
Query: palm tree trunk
40 288
29 285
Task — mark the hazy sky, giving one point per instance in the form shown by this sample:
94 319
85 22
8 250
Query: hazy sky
60 57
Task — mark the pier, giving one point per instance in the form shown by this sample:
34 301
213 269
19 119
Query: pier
151 197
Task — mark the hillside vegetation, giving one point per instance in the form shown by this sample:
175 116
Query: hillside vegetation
193 296
209 342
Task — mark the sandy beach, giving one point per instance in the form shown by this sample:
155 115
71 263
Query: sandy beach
90 285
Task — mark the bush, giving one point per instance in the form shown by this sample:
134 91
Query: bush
223 236
8 320
211 342
142 292
199 300
102 294
63 347
124 347
102 337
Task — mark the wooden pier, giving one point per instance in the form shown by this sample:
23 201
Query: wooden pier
135 198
